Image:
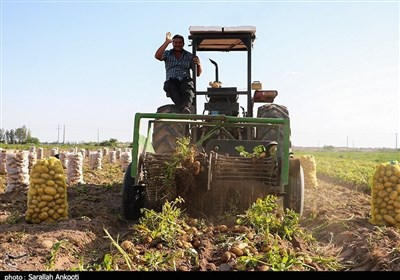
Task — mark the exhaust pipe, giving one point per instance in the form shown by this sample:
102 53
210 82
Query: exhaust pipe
216 70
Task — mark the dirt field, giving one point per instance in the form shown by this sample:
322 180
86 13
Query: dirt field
336 215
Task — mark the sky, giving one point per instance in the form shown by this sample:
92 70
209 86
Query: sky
78 71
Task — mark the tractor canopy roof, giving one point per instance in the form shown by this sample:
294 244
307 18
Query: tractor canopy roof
225 39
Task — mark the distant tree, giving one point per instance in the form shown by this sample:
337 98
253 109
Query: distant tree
21 134
10 136
2 135
109 143
328 148
32 140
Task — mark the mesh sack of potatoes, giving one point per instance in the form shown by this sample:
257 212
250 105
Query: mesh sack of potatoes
385 198
47 194
3 160
310 171
126 158
75 169
17 170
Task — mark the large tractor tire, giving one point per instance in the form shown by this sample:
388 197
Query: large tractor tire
133 197
271 111
294 196
165 134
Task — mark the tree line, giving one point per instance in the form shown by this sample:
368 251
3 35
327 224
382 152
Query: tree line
21 135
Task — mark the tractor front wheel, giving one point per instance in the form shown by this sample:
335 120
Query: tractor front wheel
294 191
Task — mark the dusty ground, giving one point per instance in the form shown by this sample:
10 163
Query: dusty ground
335 214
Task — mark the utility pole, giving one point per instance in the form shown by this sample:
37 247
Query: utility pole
396 140
347 142
98 135
64 135
58 134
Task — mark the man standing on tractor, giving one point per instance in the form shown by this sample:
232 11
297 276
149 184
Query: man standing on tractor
179 85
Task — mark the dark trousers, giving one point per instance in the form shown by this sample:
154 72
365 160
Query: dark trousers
181 92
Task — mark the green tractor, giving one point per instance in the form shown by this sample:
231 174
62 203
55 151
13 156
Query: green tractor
240 157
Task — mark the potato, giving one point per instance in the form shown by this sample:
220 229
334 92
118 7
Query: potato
59 201
389 219
394 179
32 192
50 183
379 186
388 173
61 190
43 216
47 198
34 202
40 191
196 167
382 193
50 191
42 204
45 176
393 195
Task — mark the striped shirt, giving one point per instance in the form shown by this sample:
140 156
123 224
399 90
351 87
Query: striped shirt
177 68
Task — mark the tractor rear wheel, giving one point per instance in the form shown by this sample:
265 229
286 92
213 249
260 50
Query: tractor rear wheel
294 196
271 111
133 197
165 134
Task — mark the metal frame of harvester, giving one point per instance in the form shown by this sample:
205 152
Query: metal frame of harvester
218 133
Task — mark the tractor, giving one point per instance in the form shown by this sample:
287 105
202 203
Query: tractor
241 157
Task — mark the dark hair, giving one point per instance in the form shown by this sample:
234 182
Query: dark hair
177 36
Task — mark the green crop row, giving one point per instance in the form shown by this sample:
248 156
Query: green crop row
354 167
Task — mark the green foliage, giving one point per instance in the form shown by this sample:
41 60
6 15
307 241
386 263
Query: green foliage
164 226
257 151
276 229
265 216
107 262
355 167
276 258
32 140
184 152
51 259
328 148
14 218
110 143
